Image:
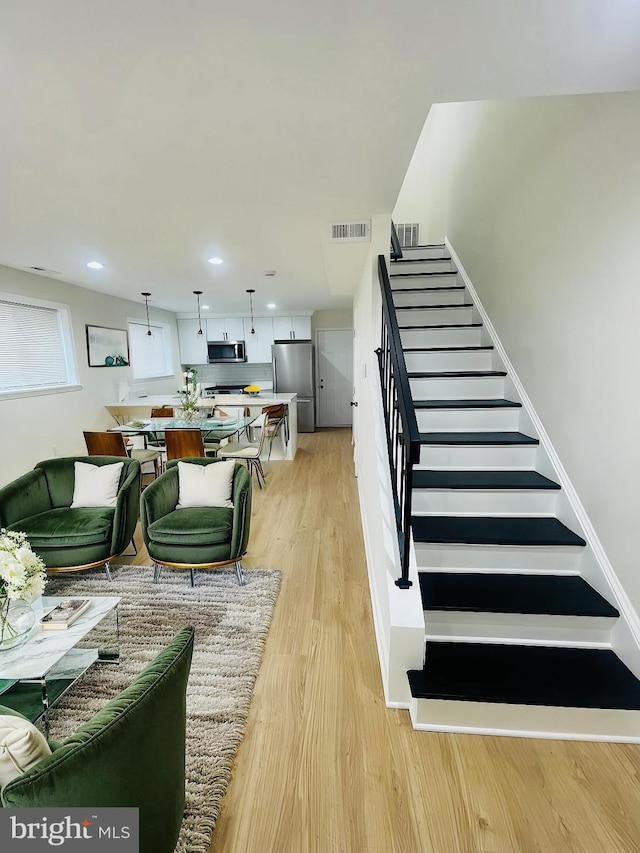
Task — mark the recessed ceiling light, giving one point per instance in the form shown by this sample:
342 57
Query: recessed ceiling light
271 305
215 260
205 307
95 265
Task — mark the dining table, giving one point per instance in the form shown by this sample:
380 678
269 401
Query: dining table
220 427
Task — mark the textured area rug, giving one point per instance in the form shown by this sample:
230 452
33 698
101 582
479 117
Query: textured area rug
231 623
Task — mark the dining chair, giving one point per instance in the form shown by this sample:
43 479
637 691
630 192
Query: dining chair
276 420
249 453
156 439
184 443
113 444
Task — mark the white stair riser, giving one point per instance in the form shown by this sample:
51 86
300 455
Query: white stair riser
437 280
426 252
520 628
445 420
525 720
441 296
496 558
483 502
461 388
403 267
434 316
441 337
471 457
435 361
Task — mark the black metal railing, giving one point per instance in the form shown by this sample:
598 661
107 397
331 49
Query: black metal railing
396 248
403 438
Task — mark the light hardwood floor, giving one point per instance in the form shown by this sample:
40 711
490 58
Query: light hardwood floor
325 767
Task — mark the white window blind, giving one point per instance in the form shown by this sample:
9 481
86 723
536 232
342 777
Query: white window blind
150 354
33 351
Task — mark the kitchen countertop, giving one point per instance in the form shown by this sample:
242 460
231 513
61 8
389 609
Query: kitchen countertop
266 398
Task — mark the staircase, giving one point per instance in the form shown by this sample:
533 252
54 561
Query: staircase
517 641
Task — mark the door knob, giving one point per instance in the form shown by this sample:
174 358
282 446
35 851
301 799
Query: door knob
353 404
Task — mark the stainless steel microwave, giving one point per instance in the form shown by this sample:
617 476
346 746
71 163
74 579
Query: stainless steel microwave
225 351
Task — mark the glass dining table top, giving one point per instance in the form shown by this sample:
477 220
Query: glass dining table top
215 424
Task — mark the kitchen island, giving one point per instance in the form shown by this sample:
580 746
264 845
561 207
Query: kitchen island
140 407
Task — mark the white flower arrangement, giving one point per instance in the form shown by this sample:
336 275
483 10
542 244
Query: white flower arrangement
22 573
190 395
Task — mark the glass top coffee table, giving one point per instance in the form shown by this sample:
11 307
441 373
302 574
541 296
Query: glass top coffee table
37 673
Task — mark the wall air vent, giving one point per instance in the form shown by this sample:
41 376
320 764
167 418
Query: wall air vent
350 232
408 234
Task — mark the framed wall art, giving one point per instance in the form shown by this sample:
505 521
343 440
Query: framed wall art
107 347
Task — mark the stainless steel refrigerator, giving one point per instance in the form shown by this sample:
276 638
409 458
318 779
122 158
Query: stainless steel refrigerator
293 373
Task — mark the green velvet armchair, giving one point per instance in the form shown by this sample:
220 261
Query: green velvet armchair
70 539
195 537
131 753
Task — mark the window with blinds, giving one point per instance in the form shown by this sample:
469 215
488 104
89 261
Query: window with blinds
36 351
150 354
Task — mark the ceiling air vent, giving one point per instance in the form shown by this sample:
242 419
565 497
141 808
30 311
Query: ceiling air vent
408 234
44 269
350 232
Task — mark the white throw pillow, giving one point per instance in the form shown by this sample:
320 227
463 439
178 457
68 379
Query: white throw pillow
21 746
96 485
205 485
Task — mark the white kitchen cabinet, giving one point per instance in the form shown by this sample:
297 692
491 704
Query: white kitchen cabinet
193 347
225 329
258 345
291 328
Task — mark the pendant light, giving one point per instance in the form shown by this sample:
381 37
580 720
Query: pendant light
146 302
198 293
251 292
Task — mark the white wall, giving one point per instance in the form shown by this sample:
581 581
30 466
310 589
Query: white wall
43 426
338 318
541 200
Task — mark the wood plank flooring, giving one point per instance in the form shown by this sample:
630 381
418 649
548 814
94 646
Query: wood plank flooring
325 767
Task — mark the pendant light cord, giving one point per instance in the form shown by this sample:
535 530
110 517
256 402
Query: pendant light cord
146 302
251 292
198 293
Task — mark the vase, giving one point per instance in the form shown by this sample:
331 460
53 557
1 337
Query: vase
190 416
16 620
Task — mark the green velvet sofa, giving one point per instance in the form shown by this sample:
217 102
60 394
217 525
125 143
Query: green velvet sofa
66 538
131 753
195 537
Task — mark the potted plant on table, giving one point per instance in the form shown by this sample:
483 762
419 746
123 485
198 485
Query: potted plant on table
22 579
189 410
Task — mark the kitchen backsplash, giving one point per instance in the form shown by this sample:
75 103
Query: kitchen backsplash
229 374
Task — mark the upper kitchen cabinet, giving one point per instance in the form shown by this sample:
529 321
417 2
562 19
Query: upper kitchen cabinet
258 345
193 347
225 329
292 328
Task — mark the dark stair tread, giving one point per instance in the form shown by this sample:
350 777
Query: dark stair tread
526 675
453 374
481 439
427 289
425 479
443 326
493 530
433 307
424 274
446 349
554 595
466 404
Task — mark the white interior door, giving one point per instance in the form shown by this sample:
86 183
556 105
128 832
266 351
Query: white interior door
334 377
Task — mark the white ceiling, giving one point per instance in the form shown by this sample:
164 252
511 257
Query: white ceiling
152 135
